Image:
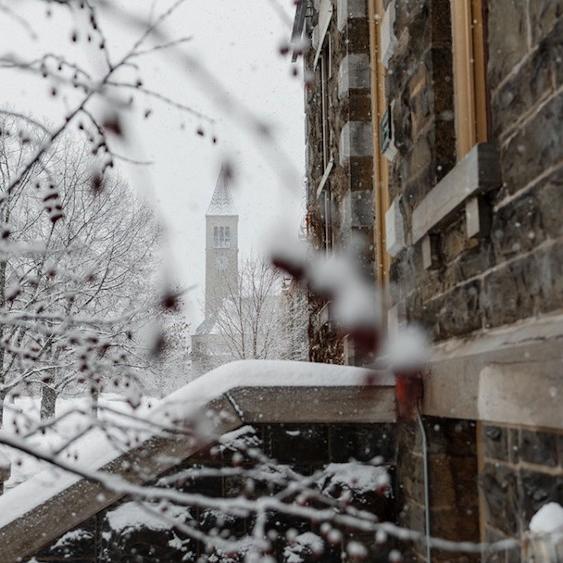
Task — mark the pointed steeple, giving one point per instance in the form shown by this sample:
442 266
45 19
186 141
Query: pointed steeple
222 199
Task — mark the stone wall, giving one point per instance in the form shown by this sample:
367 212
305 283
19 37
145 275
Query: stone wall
523 466
452 484
511 273
492 280
522 470
350 141
419 86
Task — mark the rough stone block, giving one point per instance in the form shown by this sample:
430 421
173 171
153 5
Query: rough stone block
499 486
459 311
508 38
516 291
355 140
394 229
550 264
495 440
353 73
550 204
455 241
544 15
538 447
536 146
529 85
357 210
518 227
349 9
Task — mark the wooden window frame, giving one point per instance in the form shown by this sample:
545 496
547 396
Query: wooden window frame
469 72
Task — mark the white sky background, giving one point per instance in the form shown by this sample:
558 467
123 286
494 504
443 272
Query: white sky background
237 40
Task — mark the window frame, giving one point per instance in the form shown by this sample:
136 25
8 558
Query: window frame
471 105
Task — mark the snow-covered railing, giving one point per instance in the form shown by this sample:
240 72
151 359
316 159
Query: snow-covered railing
52 502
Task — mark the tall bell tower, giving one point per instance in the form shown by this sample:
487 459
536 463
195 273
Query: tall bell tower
221 246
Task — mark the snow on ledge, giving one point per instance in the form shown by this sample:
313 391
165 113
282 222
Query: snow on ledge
186 403
270 373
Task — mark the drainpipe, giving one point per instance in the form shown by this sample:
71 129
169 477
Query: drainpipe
409 391
426 486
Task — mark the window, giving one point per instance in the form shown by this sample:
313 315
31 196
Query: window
469 62
221 237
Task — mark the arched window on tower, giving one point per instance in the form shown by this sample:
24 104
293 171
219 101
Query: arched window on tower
216 237
227 237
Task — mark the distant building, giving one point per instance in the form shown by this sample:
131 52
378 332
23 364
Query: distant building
209 348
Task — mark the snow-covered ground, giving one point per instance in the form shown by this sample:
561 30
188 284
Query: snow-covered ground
22 416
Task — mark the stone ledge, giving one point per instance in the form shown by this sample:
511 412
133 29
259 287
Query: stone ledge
478 172
510 375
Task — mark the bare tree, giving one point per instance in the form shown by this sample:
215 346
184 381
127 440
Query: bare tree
87 262
294 321
249 316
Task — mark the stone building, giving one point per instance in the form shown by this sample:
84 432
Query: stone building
433 133
209 349
433 128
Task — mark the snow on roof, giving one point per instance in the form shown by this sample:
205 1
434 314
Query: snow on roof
94 450
222 199
270 373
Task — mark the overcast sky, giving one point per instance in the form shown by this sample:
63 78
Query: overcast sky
237 40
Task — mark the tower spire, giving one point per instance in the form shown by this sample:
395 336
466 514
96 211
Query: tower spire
222 200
